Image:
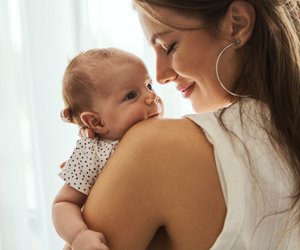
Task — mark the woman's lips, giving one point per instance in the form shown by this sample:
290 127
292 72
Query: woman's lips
186 91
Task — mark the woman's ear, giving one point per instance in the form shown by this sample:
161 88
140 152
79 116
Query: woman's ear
240 20
93 121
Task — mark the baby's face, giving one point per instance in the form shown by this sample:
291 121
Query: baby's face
130 99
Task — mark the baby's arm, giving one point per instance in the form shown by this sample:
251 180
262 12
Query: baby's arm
69 223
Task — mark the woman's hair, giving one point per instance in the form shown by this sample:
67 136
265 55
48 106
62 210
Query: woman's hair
271 71
82 80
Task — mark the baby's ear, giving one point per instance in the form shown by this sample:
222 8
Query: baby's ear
93 121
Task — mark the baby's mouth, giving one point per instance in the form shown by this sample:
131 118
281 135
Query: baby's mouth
154 115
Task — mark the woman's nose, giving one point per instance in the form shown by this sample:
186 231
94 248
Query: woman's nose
164 71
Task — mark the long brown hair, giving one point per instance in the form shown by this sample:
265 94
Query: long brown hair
271 71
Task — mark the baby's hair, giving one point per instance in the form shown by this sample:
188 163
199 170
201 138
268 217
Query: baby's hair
82 79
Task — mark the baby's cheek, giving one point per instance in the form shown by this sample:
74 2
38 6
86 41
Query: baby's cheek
131 120
137 118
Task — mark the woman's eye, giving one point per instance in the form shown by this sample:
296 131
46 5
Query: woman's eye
131 95
170 49
150 86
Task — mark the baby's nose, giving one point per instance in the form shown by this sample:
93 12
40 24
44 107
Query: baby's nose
152 97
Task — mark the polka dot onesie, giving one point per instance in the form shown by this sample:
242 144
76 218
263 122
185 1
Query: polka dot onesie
87 162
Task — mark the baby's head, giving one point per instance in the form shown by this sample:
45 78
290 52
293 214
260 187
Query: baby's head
108 91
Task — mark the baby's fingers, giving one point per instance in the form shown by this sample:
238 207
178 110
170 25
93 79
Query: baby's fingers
67 247
62 164
86 132
103 247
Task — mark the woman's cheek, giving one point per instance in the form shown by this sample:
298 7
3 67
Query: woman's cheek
179 64
183 66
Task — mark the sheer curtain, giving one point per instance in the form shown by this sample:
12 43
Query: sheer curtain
37 39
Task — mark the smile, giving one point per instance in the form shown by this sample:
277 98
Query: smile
187 91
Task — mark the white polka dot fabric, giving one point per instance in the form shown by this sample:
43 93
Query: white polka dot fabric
86 163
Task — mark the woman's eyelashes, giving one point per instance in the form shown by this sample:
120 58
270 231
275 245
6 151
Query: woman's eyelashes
169 49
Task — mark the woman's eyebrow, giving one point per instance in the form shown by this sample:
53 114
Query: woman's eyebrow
158 35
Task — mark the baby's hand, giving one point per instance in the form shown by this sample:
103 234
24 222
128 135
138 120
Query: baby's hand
89 240
67 247
86 132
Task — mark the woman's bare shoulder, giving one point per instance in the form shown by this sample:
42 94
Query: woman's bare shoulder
162 174
166 140
164 130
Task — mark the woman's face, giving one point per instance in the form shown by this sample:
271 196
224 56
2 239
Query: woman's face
188 58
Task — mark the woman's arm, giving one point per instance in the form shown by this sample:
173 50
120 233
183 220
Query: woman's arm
162 175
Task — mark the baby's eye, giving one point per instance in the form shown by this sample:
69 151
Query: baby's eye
131 95
150 86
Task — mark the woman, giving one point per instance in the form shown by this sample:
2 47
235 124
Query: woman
229 176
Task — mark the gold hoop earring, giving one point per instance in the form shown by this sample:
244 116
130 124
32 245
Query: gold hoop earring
217 70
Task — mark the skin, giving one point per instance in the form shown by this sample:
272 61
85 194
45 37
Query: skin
130 103
161 190
184 197
189 68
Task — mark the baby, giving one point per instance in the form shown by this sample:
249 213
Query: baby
107 91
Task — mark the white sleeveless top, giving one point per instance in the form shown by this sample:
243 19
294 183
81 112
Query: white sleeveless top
255 180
